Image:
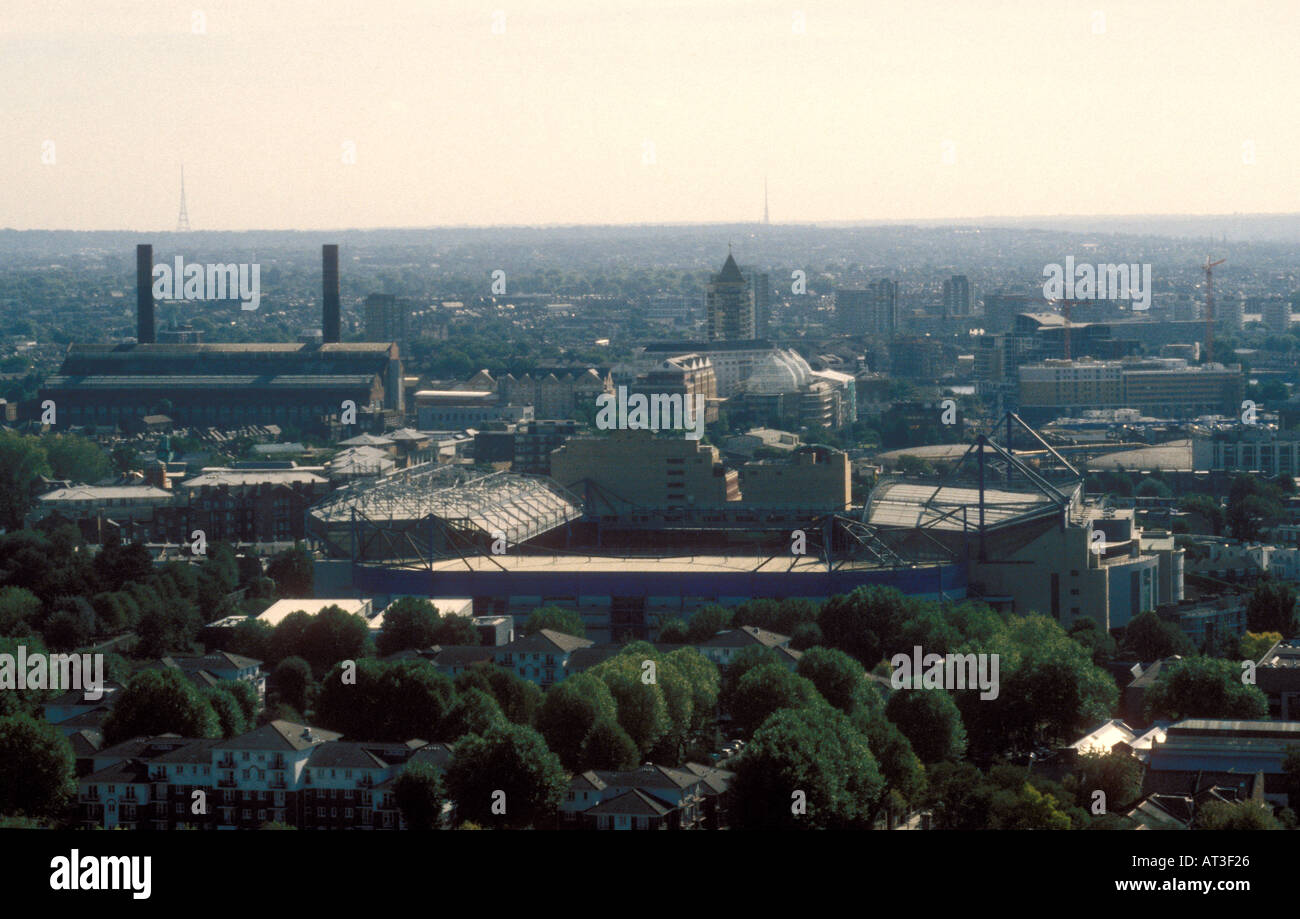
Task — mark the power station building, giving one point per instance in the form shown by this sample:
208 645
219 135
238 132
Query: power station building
224 385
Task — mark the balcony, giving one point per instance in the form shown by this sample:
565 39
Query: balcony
226 783
226 762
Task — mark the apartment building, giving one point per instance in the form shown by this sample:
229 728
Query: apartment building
283 772
1164 387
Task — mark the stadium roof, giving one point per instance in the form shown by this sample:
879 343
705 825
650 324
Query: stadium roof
518 506
904 504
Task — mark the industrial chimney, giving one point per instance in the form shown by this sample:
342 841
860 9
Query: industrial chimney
330 321
144 331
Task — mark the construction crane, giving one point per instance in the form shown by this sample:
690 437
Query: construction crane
1209 307
1065 314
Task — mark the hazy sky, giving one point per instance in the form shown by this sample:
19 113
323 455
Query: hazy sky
632 111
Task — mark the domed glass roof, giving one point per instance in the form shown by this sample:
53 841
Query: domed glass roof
779 372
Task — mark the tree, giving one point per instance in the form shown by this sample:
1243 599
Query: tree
71 626
701 674
76 458
37 775
642 710
765 690
245 695
453 630
117 565
931 722
518 698
420 794
1253 503
413 701
160 702
1203 687
1147 637
745 659
507 769
332 635
22 460
958 797
409 622
20 610
1153 488
673 632
607 746
1254 645
229 714
901 768
165 626
706 622
474 712
291 682
1209 509
806 769
360 710
1096 641
123 458
289 638
569 712
293 571
867 622
1272 608
251 638
1026 808
1048 689
1116 774
837 676
555 619
806 635
1239 815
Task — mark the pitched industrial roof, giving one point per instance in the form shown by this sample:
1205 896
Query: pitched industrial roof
216 477
105 493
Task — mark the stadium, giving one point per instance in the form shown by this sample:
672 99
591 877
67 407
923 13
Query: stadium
515 542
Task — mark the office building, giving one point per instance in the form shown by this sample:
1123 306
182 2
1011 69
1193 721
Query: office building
729 301
956 296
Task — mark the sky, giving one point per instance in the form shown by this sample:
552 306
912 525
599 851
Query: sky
333 115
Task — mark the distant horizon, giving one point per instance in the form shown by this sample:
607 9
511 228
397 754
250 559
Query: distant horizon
890 221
